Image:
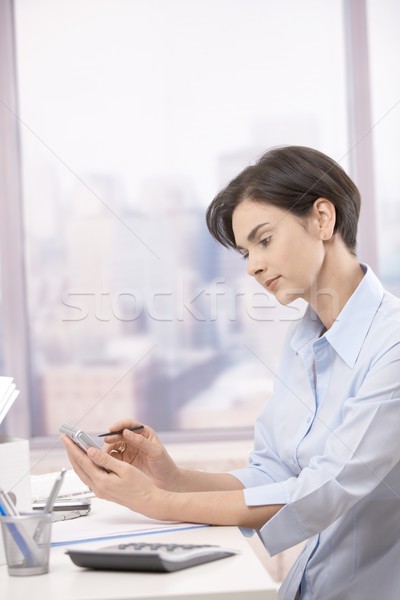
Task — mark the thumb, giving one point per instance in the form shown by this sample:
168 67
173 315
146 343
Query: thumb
106 461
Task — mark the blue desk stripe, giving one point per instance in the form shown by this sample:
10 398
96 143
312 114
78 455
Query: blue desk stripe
126 535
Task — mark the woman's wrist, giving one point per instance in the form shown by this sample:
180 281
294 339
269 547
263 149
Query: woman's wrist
182 480
179 482
160 505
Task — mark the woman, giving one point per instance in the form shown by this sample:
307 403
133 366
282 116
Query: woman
325 464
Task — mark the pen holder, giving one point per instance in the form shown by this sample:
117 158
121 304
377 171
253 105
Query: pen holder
15 475
27 543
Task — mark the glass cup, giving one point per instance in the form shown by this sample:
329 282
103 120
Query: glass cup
27 543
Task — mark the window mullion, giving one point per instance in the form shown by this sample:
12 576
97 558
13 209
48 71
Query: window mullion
360 124
13 284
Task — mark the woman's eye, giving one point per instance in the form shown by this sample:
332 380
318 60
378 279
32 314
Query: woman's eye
245 256
266 241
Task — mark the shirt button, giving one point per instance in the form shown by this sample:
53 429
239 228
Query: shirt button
308 419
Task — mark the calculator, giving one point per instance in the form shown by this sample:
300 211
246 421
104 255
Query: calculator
148 557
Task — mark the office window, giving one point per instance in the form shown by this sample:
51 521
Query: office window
1 335
134 114
383 18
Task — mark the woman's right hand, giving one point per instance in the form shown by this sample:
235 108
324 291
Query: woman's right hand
145 451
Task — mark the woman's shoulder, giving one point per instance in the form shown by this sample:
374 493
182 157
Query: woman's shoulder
385 328
390 308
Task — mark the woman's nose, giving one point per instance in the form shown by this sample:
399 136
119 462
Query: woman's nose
254 266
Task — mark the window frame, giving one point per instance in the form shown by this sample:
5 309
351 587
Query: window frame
12 262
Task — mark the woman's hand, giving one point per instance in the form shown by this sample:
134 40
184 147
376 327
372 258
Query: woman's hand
145 452
115 480
120 482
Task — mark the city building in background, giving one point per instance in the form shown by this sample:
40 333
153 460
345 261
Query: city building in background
132 116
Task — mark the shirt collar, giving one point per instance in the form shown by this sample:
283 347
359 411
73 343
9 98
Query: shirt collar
349 331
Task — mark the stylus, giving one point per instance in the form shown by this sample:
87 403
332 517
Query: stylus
121 430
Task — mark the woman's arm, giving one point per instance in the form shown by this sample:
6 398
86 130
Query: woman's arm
115 480
215 508
190 480
146 452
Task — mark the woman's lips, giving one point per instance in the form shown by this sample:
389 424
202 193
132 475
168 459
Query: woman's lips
270 284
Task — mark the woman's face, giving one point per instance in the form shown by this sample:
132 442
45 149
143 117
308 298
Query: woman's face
285 254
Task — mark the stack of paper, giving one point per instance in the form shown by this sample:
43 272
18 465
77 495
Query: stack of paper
72 486
8 394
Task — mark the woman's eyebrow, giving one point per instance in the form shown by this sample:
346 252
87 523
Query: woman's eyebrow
253 232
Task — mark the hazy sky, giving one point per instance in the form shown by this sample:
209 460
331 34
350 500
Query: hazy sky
156 88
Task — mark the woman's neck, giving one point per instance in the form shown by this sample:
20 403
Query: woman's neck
339 277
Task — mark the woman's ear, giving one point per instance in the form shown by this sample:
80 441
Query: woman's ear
324 213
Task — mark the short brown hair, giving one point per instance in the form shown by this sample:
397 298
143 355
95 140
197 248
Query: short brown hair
291 178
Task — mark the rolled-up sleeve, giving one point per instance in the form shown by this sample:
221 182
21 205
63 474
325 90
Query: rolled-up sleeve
357 456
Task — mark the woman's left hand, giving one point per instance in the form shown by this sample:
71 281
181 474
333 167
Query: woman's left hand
112 479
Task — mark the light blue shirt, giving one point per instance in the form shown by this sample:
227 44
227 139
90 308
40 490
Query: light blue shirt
327 446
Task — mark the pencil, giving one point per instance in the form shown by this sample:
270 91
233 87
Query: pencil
136 428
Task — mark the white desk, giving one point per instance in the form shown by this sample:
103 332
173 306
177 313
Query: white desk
240 577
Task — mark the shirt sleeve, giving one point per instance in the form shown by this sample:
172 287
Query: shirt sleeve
265 467
357 457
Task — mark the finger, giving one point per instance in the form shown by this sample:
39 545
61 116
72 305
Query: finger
117 455
141 443
111 440
106 461
114 450
117 450
113 444
124 424
79 461
73 449
144 430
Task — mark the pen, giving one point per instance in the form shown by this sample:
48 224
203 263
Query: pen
7 505
54 491
8 509
136 428
50 503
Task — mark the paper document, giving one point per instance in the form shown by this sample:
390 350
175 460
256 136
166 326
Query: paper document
108 520
72 486
8 395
